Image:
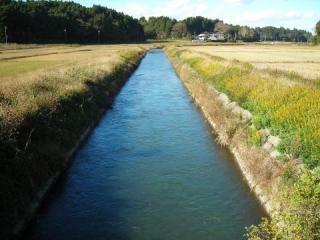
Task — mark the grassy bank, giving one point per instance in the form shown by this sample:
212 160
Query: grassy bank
287 107
45 108
282 105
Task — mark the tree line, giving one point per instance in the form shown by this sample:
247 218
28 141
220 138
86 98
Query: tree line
58 22
165 27
44 21
316 38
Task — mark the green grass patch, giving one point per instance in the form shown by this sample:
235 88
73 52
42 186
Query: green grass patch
13 68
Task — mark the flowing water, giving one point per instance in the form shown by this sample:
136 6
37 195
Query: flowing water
150 170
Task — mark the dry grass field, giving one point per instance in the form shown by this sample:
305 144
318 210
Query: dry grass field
302 59
14 62
42 74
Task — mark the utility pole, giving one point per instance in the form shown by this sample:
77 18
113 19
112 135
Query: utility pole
65 35
5 34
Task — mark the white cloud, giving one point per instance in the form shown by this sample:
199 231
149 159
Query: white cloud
238 2
242 12
275 15
185 8
173 8
256 16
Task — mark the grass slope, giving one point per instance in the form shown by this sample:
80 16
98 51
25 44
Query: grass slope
287 107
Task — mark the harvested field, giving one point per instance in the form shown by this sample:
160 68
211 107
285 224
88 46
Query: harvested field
304 60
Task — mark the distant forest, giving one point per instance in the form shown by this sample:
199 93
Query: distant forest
69 22
59 22
165 27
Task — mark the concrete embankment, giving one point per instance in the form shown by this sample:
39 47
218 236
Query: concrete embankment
51 155
231 124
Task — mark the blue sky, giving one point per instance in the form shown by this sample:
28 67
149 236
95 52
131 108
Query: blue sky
302 14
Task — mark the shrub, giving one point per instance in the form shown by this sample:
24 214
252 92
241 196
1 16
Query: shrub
300 216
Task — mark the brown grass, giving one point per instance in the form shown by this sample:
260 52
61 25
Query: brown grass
302 59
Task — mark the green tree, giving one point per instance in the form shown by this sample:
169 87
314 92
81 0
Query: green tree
316 39
54 21
197 25
221 27
158 27
179 30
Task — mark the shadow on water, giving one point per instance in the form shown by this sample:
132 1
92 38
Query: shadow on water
64 224
151 169
229 160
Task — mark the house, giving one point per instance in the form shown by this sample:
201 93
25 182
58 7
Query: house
210 37
203 36
216 37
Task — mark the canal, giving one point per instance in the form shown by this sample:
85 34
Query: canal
151 169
